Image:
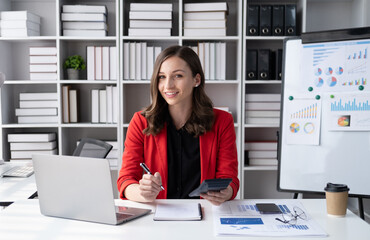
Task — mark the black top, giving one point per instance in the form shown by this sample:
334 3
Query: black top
183 157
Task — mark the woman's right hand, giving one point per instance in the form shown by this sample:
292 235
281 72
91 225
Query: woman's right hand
150 186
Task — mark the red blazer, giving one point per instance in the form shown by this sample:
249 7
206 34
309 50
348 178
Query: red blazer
218 153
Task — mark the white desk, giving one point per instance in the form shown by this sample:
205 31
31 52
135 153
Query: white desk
22 220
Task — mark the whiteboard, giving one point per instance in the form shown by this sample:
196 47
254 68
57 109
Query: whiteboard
325 120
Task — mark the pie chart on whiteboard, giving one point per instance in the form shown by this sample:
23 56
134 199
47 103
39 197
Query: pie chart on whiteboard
332 81
319 82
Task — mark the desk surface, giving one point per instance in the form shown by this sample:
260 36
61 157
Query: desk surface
23 220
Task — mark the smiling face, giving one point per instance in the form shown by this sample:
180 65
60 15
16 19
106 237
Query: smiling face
176 83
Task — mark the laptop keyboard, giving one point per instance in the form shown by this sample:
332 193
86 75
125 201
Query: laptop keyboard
19 171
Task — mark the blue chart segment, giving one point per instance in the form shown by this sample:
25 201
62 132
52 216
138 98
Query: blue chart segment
241 221
244 208
350 105
284 208
298 227
362 54
321 54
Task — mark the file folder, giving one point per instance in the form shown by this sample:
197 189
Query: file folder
290 20
263 64
265 20
251 64
278 20
252 20
278 64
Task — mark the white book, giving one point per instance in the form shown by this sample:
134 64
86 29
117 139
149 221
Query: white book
18 32
20 15
262 106
95 105
223 61
85 25
132 60
262 120
43 68
150 15
267 113
205 24
153 32
126 60
218 61
206 60
84 33
73 106
262 154
150 24
95 17
143 60
203 7
38 104
84 9
195 49
43 59
29 153
98 63
113 63
43 51
262 97
212 61
21 160
43 76
150 62
201 54
38 119
151 7
90 62
204 15
102 106
31 137
109 101
157 51
204 32
19 146
261 145
115 104
263 162
65 103
36 111
38 96
19 24
138 61
105 63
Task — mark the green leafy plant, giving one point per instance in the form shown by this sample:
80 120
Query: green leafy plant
75 62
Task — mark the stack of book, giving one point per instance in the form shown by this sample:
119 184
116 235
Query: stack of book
212 56
23 145
37 108
104 107
226 109
205 19
101 63
84 20
150 19
43 63
138 60
262 108
19 24
69 104
261 153
112 155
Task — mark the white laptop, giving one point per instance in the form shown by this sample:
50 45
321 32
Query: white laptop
79 188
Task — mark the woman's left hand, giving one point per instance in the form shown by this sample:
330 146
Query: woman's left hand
216 198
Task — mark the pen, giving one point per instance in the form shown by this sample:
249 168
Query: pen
146 169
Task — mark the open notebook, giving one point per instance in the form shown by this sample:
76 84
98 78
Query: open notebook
178 212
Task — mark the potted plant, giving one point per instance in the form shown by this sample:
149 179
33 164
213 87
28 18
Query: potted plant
74 64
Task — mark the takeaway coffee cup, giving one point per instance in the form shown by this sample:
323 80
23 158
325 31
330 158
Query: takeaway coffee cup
336 199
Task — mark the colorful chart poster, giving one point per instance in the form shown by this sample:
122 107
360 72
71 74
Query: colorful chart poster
302 124
336 66
349 113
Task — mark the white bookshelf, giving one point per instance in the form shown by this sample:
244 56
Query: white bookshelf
256 182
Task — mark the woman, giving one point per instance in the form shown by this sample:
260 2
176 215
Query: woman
179 136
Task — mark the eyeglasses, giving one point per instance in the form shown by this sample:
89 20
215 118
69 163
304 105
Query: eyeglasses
290 218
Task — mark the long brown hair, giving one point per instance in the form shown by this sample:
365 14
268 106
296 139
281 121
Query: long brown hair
202 116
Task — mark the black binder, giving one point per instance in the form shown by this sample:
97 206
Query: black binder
251 64
263 64
252 20
265 20
290 20
278 20
278 64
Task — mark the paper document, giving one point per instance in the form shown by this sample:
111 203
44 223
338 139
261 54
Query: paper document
178 212
243 218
